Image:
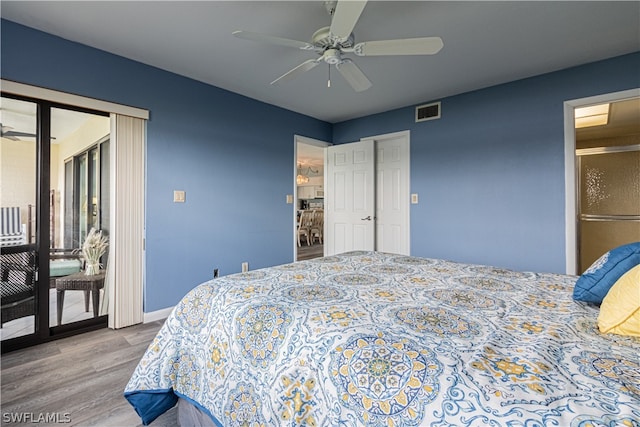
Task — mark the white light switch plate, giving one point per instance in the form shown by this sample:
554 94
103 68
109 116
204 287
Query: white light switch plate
179 196
414 198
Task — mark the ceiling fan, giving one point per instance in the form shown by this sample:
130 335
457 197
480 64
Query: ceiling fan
7 132
332 42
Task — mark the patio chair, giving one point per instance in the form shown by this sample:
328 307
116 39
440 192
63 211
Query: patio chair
17 288
12 231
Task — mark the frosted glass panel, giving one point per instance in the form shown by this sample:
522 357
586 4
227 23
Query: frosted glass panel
598 237
610 184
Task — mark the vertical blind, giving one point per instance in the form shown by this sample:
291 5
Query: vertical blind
125 273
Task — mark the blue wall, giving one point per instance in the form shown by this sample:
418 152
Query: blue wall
232 155
490 172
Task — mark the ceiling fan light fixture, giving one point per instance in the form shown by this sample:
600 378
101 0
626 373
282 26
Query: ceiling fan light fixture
332 56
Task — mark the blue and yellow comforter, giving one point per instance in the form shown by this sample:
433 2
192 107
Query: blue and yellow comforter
377 339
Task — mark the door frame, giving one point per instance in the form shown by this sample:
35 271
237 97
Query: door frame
294 199
570 169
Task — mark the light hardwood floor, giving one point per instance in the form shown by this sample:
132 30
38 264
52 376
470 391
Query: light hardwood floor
81 378
310 251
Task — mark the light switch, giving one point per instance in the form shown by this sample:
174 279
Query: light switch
289 199
178 196
414 198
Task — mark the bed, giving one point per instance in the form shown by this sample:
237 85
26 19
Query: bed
377 339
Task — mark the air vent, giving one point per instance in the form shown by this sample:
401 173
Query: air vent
428 112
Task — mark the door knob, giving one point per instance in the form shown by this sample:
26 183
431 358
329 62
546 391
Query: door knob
366 219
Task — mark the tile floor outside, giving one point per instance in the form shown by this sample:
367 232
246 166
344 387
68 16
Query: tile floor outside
73 312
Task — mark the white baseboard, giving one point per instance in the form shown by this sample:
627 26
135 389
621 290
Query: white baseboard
157 315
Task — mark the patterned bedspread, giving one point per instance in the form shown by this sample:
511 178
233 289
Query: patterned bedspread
378 339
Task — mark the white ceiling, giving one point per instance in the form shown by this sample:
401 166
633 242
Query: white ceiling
485 43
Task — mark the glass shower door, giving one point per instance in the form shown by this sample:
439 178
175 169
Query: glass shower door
609 205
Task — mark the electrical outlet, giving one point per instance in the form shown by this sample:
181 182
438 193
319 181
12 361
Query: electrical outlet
245 267
215 273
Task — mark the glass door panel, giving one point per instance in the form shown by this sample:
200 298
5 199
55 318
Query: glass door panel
598 237
610 183
76 180
609 203
18 184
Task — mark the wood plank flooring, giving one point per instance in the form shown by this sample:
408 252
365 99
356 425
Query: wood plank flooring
80 378
315 250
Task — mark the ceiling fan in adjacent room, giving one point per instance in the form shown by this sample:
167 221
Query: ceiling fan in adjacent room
7 132
331 43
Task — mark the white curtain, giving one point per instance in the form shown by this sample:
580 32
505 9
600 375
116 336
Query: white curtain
125 273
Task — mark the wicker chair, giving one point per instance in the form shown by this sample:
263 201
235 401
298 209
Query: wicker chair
18 284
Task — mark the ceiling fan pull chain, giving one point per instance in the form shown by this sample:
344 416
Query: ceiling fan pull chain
329 80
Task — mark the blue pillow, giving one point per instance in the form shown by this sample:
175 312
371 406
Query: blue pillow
596 281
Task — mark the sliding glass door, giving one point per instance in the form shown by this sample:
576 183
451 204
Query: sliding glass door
52 193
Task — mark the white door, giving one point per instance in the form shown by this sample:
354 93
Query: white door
350 197
392 193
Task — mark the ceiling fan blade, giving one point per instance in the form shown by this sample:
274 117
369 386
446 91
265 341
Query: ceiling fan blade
16 133
417 46
291 74
265 38
352 74
345 18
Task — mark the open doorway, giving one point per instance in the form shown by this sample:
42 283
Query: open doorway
309 200
608 177
571 156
